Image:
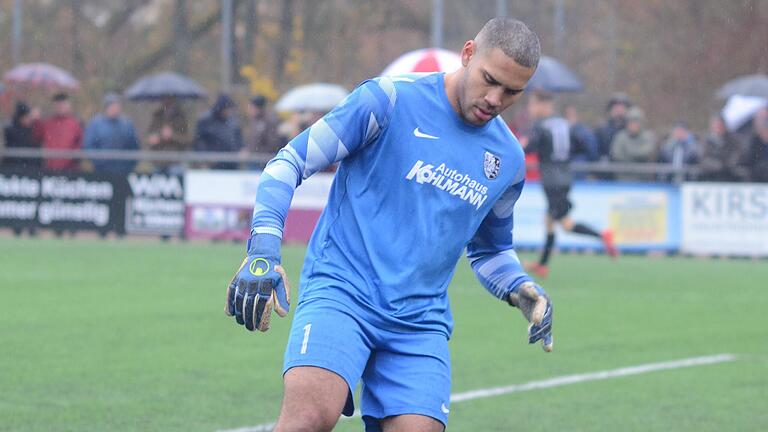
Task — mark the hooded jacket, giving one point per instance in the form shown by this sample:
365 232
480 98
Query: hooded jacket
217 132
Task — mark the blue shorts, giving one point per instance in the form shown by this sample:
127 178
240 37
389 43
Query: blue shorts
402 373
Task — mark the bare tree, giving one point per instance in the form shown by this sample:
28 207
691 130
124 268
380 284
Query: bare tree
251 30
77 22
181 39
284 43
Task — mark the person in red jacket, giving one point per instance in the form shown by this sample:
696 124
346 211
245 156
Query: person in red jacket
62 130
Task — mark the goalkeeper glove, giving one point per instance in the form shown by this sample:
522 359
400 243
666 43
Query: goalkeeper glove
536 307
259 285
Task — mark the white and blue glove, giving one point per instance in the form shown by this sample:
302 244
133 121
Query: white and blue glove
536 307
259 285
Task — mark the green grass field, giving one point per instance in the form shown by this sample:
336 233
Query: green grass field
131 336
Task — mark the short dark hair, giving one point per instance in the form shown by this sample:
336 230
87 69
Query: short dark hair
513 37
259 101
543 96
618 98
22 109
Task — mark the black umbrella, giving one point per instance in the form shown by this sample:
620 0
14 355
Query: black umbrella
555 77
165 84
747 85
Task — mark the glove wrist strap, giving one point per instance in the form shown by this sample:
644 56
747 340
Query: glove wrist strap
266 245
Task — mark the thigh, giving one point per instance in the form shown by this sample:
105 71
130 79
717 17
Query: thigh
407 379
558 203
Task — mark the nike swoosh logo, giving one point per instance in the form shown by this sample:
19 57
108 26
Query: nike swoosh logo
444 409
421 134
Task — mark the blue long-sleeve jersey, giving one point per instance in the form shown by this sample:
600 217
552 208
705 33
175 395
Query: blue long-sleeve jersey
416 186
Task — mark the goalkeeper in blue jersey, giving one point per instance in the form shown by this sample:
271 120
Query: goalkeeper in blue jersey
426 171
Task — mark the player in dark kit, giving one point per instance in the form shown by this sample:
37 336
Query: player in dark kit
552 139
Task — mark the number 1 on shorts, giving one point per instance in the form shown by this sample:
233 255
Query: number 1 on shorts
307 328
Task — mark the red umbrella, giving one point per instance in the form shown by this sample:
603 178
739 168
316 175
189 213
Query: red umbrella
424 60
41 75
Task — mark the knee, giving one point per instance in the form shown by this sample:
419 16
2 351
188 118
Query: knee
412 422
314 399
308 420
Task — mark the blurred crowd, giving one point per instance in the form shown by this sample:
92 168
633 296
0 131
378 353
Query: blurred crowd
623 136
255 131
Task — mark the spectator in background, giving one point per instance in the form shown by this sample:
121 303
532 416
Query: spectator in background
308 118
756 159
261 132
583 135
218 131
289 127
681 149
62 130
635 144
111 130
168 131
21 134
722 154
617 120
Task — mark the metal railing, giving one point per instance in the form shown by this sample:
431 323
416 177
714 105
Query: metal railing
137 155
191 157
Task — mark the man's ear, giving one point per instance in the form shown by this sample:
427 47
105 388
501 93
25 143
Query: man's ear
467 51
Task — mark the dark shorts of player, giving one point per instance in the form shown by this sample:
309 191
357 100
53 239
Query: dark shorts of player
558 204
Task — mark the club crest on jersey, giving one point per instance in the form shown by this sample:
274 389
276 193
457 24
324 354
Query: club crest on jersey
491 165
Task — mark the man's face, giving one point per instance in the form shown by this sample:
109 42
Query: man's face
491 82
539 109
618 110
114 109
252 110
679 133
26 120
716 126
62 107
571 114
634 126
761 125
533 108
168 101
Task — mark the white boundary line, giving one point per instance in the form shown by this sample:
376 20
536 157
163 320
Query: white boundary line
556 382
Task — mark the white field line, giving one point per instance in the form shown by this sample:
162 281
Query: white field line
555 382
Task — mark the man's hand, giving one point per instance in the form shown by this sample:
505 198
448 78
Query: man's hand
536 307
259 285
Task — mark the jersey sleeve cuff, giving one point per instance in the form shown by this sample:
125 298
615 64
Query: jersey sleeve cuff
267 230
